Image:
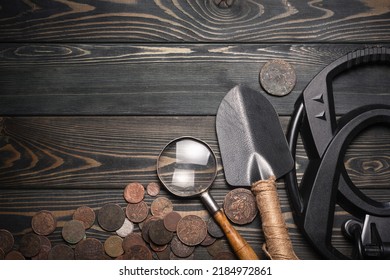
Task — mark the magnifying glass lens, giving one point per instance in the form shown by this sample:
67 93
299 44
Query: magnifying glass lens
187 167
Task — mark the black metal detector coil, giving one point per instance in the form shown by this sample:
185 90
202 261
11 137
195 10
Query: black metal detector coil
325 181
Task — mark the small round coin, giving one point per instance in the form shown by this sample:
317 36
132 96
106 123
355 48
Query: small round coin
89 249
86 215
191 230
6 240
137 212
158 234
134 192
277 77
180 249
44 223
73 231
217 247
30 245
111 217
113 246
131 240
161 206
43 253
138 252
153 189
61 252
171 220
240 206
126 228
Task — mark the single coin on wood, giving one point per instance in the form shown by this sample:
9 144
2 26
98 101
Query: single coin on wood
29 245
180 249
43 223
161 206
137 212
158 234
240 206
73 231
153 189
191 230
138 252
214 229
134 192
14 255
6 240
89 249
131 240
113 246
86 215
61 252
171 219
126 228
111 217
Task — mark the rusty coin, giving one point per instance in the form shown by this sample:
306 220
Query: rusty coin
277 77
61 252
131 240
240 206
29 245
111 217
134 192
161 206
180 249
158 234
214 229
73 231
6 240
191 230
14 255
43 223
153 189
89 249
208 240
113 246
126 228
137 212
86 215
138 252
171 220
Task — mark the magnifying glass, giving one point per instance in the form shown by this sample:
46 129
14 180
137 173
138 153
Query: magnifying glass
187 167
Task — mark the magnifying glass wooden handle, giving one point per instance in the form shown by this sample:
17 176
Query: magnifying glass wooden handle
239 245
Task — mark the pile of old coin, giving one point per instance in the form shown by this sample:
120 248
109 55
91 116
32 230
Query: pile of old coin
138 231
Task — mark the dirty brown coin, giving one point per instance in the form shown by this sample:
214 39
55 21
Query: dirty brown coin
44 223
224 255
172 256
6 240
126 228
137 212
277 77
240 206
113 246
111 217
131 240
86 215
164 255
191 230
157 248
153 189
146 226
134 193
138 252
214 229
208 240
217 247
73 231
61 252
29 245
180 249
161 206
158 234
170 221
45 249
89 249
14 255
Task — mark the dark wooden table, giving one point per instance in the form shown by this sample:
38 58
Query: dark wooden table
91 91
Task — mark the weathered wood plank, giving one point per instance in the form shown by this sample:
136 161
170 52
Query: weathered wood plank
158 79
194 21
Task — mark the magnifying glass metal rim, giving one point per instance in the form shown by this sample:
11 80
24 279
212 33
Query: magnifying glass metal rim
196 140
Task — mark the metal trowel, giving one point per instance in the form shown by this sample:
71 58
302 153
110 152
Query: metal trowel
255 153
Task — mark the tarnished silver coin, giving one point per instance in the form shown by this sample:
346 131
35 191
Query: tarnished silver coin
277 77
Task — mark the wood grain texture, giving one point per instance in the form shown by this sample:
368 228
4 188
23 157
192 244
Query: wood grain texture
194 21
159 79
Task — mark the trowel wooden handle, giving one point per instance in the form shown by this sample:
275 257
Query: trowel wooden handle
240 247
278 244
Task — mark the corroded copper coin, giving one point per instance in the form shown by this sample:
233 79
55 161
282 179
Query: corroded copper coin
61 252
44 223
111 217
14 255
146 226
208 240
277 77
113 246
157 248
164 255
73 231
89 249
214 229
45 249
137 212
138 252
29 245
134 193
240 206
224 255
161 206
158 234
153 189
6 241
191 230
86 215
131 240
217 247
170 221
126 228
180 249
